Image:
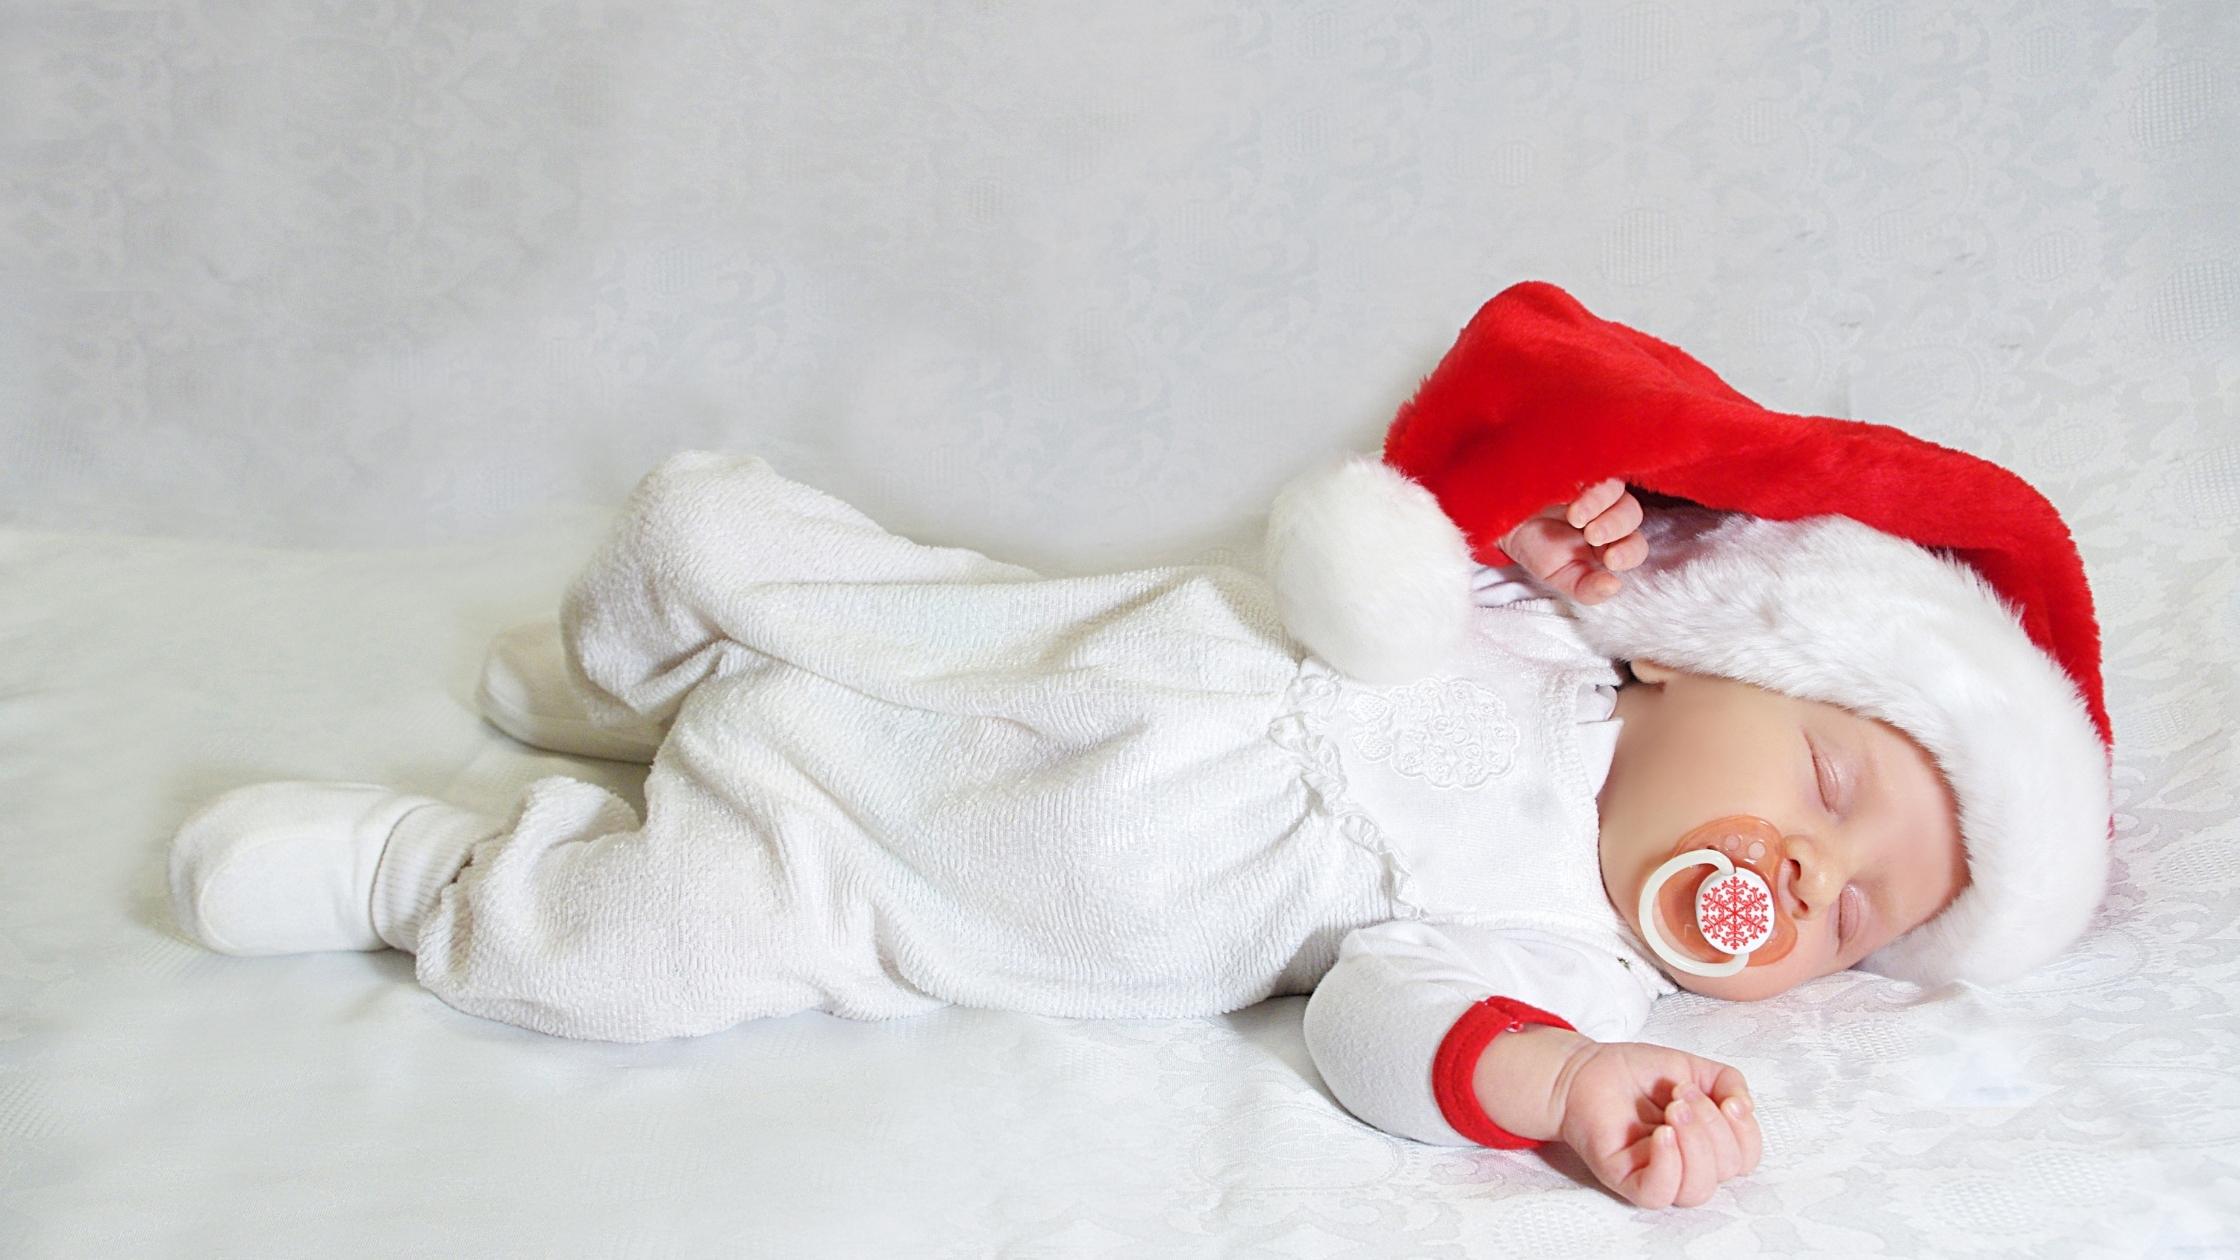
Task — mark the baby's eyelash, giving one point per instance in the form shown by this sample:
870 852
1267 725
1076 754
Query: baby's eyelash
1819 776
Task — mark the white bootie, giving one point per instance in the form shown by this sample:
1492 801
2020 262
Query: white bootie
292 867
527 692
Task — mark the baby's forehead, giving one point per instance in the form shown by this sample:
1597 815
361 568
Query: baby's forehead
1901 765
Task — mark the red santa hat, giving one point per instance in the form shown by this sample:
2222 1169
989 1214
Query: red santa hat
1828 559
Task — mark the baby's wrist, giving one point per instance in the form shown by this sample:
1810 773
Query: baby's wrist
1523 1079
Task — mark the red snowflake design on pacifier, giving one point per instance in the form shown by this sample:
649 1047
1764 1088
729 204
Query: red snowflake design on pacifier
1735 911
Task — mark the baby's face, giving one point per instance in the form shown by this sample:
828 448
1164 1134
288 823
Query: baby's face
1872 828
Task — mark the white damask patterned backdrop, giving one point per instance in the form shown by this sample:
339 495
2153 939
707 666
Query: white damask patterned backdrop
330 331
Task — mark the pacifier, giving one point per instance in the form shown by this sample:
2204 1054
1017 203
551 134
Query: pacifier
1734 910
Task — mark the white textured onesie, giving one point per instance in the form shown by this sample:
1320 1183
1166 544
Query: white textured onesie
901 776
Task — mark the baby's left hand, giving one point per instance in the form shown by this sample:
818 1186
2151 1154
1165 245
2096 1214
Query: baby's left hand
1579 548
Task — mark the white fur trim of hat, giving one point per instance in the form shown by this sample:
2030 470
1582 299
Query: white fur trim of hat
1829 609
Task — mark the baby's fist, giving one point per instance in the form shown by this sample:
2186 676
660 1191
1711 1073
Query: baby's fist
1662 1127
1580 547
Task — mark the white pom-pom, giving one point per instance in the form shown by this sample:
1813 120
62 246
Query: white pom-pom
1370 573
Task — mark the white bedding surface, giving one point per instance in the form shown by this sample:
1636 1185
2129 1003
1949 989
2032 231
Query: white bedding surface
158 1099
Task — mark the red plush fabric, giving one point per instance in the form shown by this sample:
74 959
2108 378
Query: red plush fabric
1454 1067
1539 398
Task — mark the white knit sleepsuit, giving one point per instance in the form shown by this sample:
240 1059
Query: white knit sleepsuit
901 776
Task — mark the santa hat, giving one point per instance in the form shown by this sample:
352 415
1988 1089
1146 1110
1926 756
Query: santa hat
1828 559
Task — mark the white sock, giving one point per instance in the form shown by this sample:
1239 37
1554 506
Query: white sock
426 849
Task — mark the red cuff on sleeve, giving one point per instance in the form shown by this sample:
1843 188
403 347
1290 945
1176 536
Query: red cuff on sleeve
1454 1069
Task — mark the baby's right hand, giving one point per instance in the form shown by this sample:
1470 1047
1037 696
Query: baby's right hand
1662 1127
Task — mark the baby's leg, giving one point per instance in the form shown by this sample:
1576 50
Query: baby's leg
669 600
579 922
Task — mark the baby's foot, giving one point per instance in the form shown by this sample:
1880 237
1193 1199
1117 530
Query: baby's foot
291 867
527 692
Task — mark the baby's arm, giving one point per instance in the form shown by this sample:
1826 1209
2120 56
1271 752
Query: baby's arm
1399 1029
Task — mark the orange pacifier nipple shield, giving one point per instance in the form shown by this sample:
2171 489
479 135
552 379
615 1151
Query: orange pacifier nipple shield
1734 910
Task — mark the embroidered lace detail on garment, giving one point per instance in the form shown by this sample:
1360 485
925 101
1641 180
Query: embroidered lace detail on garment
1450 732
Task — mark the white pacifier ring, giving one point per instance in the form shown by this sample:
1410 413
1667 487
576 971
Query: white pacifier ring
1724 912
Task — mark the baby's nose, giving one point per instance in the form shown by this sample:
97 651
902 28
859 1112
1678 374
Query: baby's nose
1803 891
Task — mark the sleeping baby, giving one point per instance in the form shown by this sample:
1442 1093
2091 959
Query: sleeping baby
1484 781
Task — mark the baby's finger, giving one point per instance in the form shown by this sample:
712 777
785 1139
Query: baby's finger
1726 1147
1625 553
1744 1121
1614 522
1699 1167
1592 501
1733 1096
1719 1080
1584 582
1656 1169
